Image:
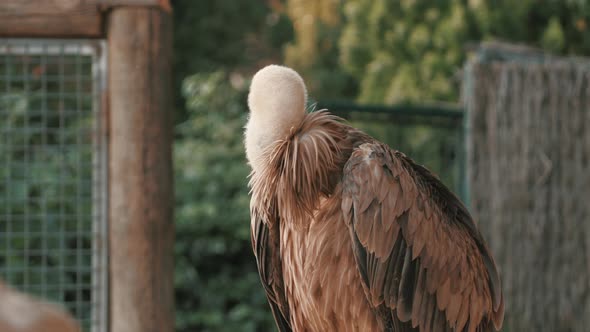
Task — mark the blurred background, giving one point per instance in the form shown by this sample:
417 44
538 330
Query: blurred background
493 96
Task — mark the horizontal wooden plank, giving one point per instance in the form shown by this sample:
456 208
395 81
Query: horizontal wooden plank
131 2
70 18
163 4
36 7
60 7
62 18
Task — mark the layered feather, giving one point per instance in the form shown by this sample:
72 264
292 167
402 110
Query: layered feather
302 167
416 246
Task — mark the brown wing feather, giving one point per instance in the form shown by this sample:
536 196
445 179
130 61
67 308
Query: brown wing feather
416 246
265 242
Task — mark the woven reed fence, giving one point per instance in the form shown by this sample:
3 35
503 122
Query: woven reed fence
528 138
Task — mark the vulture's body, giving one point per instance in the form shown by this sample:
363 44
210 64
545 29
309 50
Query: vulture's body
350 235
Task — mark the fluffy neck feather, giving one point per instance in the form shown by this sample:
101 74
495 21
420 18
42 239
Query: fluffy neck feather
301 169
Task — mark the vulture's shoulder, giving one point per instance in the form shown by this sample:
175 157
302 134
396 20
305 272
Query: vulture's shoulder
419 253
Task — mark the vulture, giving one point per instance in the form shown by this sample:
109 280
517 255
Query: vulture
351 235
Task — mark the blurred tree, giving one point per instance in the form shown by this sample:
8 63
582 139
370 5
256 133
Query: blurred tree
227 34
205 38
314 49
404 50
410 50
217 43
217 283
560 27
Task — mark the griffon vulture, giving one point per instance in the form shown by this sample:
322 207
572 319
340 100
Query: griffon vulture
351 235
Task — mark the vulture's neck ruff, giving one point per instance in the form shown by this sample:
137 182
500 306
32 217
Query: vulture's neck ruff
292 153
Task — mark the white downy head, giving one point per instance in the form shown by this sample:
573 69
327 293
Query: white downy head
277 102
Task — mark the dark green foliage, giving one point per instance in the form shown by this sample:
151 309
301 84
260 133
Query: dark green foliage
404 50
216 280
313 52
210 35
217 283
412 50
560 27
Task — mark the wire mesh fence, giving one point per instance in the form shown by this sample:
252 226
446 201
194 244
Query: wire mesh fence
53 174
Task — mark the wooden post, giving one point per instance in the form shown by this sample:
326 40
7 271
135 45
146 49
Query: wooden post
141 187
529 176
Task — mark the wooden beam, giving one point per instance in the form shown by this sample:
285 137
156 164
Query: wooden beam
54 18
157 3
140 159
62 18
36 7
57 7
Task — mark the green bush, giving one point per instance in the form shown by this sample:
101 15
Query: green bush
217 283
